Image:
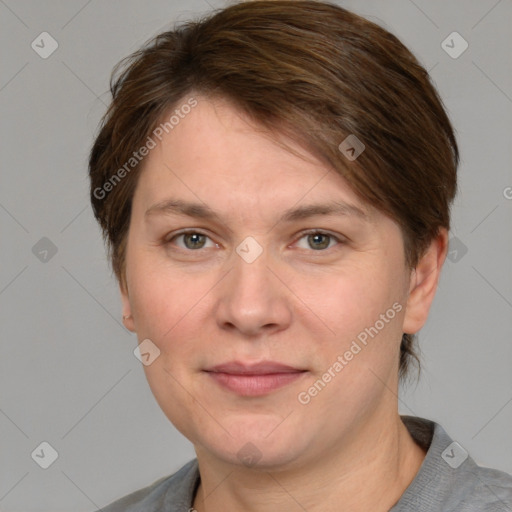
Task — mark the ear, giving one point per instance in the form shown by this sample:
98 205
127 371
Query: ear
127 309
423 283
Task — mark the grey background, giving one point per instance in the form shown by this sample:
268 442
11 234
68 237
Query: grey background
68 375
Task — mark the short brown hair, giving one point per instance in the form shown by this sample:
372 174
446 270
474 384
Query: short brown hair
311 70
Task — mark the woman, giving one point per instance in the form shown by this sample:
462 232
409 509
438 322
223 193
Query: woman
275 183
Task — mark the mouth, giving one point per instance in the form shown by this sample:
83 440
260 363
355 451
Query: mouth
254 379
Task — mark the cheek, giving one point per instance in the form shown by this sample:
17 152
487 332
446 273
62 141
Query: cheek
164 305
173 309
150 298
162 298
348 300
363 309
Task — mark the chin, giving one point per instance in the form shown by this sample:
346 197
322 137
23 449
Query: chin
259 456
265 443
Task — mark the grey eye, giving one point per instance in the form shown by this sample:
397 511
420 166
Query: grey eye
318 241
194 240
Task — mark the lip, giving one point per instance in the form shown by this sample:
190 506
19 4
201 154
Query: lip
254 379
261 368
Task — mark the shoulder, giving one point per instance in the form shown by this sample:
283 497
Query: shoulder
449 479
172 492
485 489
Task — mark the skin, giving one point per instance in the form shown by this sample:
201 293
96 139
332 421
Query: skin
297 304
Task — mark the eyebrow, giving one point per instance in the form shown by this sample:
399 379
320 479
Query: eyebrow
202 211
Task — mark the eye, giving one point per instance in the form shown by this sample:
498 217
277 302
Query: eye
319 240
192 239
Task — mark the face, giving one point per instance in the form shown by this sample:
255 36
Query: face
277 324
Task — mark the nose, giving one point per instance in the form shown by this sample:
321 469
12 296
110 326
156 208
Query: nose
253 300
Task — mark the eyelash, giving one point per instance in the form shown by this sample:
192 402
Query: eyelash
168 241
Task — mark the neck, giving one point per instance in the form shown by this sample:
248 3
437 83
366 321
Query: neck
370 472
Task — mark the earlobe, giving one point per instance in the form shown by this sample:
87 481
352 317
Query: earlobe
127 310
424 281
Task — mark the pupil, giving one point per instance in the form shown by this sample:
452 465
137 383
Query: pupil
195 237
321 246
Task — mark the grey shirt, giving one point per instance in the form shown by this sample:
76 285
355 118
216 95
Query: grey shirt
449 480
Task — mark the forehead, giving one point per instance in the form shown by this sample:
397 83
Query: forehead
216 156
